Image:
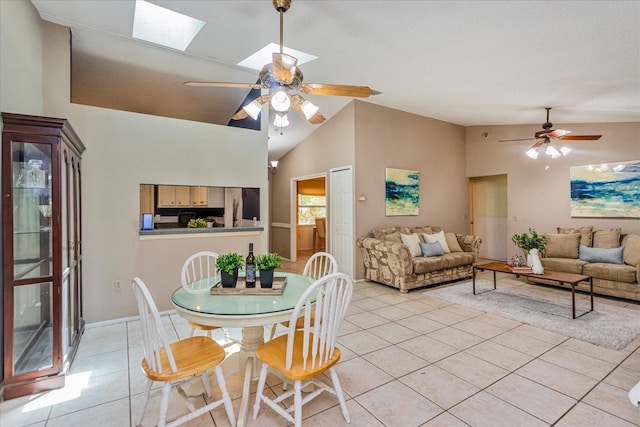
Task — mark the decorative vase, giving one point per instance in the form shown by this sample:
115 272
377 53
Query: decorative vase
209 224
229 280
529 259
266 278
536 264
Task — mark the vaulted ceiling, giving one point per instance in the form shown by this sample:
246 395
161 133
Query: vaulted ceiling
464 62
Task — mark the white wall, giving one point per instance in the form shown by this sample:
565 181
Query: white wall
20 58
125 150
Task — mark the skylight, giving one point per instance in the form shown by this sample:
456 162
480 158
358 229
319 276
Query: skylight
165 27
263 56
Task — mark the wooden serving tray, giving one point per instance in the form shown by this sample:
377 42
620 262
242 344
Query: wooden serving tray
279 284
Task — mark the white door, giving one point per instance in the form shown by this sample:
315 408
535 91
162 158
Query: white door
341 218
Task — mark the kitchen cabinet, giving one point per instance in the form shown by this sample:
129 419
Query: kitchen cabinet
183 195
146 198
171 196
166 196
42 259
199 196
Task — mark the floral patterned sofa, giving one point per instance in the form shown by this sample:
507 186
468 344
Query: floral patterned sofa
388 260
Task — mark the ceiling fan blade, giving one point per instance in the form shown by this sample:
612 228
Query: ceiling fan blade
242 113
539 143
580 137
337 90
512 140
558 133
284 67
225 84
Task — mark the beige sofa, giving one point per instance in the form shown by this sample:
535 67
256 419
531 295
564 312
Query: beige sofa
611 258
388 260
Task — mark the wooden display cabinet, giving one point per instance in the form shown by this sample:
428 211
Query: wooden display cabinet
42 252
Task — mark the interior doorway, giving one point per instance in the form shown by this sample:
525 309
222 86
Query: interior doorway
310 214
488 205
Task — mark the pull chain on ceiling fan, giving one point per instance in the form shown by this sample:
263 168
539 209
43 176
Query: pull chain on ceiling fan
544 145
281 77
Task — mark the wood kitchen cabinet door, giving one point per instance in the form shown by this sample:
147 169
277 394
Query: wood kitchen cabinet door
146 198
166 195
183 195
199 196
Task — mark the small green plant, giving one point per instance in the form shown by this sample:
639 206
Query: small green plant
229 262
268 261
526 241
211 219
197 223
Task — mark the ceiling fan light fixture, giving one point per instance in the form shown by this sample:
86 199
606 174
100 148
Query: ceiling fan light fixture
552 151
281 121
308 109
565 150
253 109
281 101
532 153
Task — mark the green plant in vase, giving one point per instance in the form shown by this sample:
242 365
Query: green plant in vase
210 221
228 265
526 241
266 264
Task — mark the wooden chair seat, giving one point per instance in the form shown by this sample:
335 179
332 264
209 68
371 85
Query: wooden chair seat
192 356
274 354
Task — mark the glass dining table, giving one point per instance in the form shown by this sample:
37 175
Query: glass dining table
249 312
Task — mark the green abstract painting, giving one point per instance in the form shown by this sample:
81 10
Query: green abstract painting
402 192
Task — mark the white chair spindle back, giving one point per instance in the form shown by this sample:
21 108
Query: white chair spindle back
154 336
196 270
328 298
320 264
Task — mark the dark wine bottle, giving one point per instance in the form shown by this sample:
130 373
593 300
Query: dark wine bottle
250 268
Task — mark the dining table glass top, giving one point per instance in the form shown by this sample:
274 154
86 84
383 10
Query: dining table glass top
243 304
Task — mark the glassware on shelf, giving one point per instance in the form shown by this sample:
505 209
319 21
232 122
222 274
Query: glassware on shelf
19 175
36 177
45 210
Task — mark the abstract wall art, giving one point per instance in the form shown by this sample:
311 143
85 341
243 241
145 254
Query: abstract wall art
402 192
609 190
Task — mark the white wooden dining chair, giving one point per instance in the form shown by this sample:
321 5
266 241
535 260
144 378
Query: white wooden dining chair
317 266
195 271
303 355
176 363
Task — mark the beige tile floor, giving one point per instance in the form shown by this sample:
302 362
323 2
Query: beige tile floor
407 360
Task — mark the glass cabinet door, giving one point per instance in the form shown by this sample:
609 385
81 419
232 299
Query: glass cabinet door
32 253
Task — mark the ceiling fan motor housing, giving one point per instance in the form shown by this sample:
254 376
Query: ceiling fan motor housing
282 5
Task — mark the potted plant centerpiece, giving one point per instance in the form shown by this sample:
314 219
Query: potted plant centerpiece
526 242
228 266
266 264
210 221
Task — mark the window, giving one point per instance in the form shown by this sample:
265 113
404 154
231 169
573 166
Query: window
310 208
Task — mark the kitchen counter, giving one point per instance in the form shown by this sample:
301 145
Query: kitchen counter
200 232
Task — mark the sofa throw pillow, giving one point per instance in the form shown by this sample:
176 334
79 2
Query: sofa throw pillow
431 249
608 255
562 245
631 253
452 242
606 238
586 234
413 242
437 237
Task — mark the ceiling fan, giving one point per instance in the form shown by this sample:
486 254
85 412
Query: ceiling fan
544 137
281 77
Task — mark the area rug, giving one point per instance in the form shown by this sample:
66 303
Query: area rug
607 326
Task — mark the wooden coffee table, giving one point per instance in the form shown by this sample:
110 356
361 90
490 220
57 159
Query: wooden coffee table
556 276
